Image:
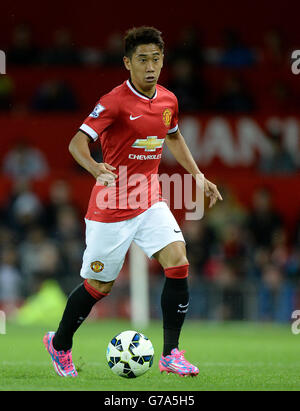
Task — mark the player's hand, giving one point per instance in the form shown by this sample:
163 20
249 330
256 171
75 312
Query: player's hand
104 175
212 192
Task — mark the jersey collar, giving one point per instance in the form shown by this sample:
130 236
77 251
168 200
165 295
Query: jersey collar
138 93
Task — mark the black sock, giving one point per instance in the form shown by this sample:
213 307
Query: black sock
174 304
79 305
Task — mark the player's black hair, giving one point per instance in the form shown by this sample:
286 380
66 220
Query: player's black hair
141 35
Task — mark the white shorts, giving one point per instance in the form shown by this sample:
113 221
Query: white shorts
108 243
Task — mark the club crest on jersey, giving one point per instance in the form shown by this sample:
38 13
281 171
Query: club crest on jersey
150 143
97 110
167 117
97 266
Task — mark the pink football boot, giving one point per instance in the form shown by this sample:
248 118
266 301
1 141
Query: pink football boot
177 364
62 360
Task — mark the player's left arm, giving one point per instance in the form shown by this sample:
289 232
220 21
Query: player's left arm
178 147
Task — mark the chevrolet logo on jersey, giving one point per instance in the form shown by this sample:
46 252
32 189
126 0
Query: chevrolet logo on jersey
150 143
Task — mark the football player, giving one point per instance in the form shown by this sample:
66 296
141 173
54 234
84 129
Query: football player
133 121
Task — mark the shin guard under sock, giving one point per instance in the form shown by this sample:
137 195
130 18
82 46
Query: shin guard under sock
174 304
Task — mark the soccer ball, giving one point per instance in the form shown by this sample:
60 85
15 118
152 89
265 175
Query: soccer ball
130 354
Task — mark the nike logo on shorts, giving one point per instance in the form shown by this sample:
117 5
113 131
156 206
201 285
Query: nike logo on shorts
134 118
175 231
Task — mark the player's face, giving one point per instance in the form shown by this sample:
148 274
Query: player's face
145 66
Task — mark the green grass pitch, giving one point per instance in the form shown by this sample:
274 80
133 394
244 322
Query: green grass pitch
230 356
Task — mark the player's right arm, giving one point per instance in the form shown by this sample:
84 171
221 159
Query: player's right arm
104 114
79 149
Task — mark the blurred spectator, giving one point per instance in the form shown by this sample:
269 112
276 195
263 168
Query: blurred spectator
59 197
234 98
276 296
67 224
7 88
114 52
63 52
25 161
188 47
231 304
286 255
280 249
7 235
23 209
40 259
235 54
228 212
279 160
90 56
261 256
280 254
54 95
187 85
200 240
263 220
225 269
67 234
23 51
292 266
234 247
274 51
11 290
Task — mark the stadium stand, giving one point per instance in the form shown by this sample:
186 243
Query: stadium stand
245 254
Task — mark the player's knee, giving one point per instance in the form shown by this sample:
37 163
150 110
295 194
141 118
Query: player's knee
176 260
180 260
101 286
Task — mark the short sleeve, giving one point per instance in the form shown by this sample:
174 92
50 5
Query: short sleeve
174 121
101 117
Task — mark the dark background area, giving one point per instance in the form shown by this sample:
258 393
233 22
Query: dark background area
229 63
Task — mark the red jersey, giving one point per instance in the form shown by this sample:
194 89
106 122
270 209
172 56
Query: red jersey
132 128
